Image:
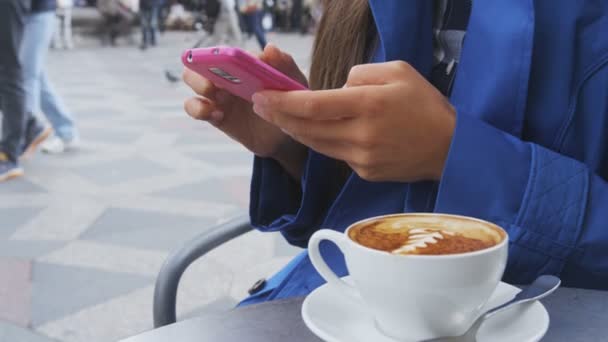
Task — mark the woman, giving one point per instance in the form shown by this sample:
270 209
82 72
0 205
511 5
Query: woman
518 137
39 27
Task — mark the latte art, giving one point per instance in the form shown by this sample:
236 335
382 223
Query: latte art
425 235
420 238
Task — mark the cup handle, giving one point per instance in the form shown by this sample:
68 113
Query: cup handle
319 263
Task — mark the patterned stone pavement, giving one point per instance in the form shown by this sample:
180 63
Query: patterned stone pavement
84 234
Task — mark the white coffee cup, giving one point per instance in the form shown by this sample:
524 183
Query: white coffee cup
416 297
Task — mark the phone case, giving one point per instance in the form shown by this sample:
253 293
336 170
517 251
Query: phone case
237 71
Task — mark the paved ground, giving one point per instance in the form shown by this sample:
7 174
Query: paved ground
83 235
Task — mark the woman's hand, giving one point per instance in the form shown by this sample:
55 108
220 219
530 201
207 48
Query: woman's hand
388 122
235 116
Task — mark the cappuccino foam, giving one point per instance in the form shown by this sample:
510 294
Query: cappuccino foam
426 234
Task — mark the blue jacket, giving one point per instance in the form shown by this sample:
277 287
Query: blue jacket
529 150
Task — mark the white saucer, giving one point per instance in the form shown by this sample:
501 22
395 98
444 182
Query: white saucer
336 318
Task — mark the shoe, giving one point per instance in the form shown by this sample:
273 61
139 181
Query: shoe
35 134
56 145
53 145
72 144
8 168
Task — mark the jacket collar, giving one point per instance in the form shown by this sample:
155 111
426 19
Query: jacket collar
492 78
405 30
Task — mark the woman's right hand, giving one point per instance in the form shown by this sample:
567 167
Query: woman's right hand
235 117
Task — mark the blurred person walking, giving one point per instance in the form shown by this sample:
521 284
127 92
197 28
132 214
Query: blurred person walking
149 12
177 17
310 16
225 28
40 96
297 14
63 30
118 19
280 12
252 14
229 12
315 7
21 133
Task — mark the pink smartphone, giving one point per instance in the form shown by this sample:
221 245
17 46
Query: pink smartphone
237 71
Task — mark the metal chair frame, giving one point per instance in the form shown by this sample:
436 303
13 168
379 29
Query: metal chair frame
167 282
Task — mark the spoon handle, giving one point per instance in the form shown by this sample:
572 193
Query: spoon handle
540 288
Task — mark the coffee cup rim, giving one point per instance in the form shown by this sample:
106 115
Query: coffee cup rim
500 245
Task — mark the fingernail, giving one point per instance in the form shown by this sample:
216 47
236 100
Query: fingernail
193 107
217 115
259 111
259 99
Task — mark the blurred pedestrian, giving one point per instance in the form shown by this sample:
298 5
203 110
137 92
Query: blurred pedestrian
315 7
118 18
229 13
297 13
252 11
149 11
21 133
281 15
225 28
40 96
311 14
63 31
178 18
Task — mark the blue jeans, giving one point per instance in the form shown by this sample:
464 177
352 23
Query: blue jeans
254 24
37 37
12 97
149 25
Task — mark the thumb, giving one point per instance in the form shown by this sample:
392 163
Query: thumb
271 55
283 62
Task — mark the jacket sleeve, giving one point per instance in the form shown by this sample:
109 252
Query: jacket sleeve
296 209
275 196
553 207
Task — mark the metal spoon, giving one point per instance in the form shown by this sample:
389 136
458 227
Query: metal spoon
540 288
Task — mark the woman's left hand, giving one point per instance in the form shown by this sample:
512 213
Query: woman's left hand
388 122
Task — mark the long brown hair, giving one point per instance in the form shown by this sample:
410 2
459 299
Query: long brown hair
343 40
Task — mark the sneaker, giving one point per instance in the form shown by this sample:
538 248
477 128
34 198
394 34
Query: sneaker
35 134
72 144
8 168
56 145
53 145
